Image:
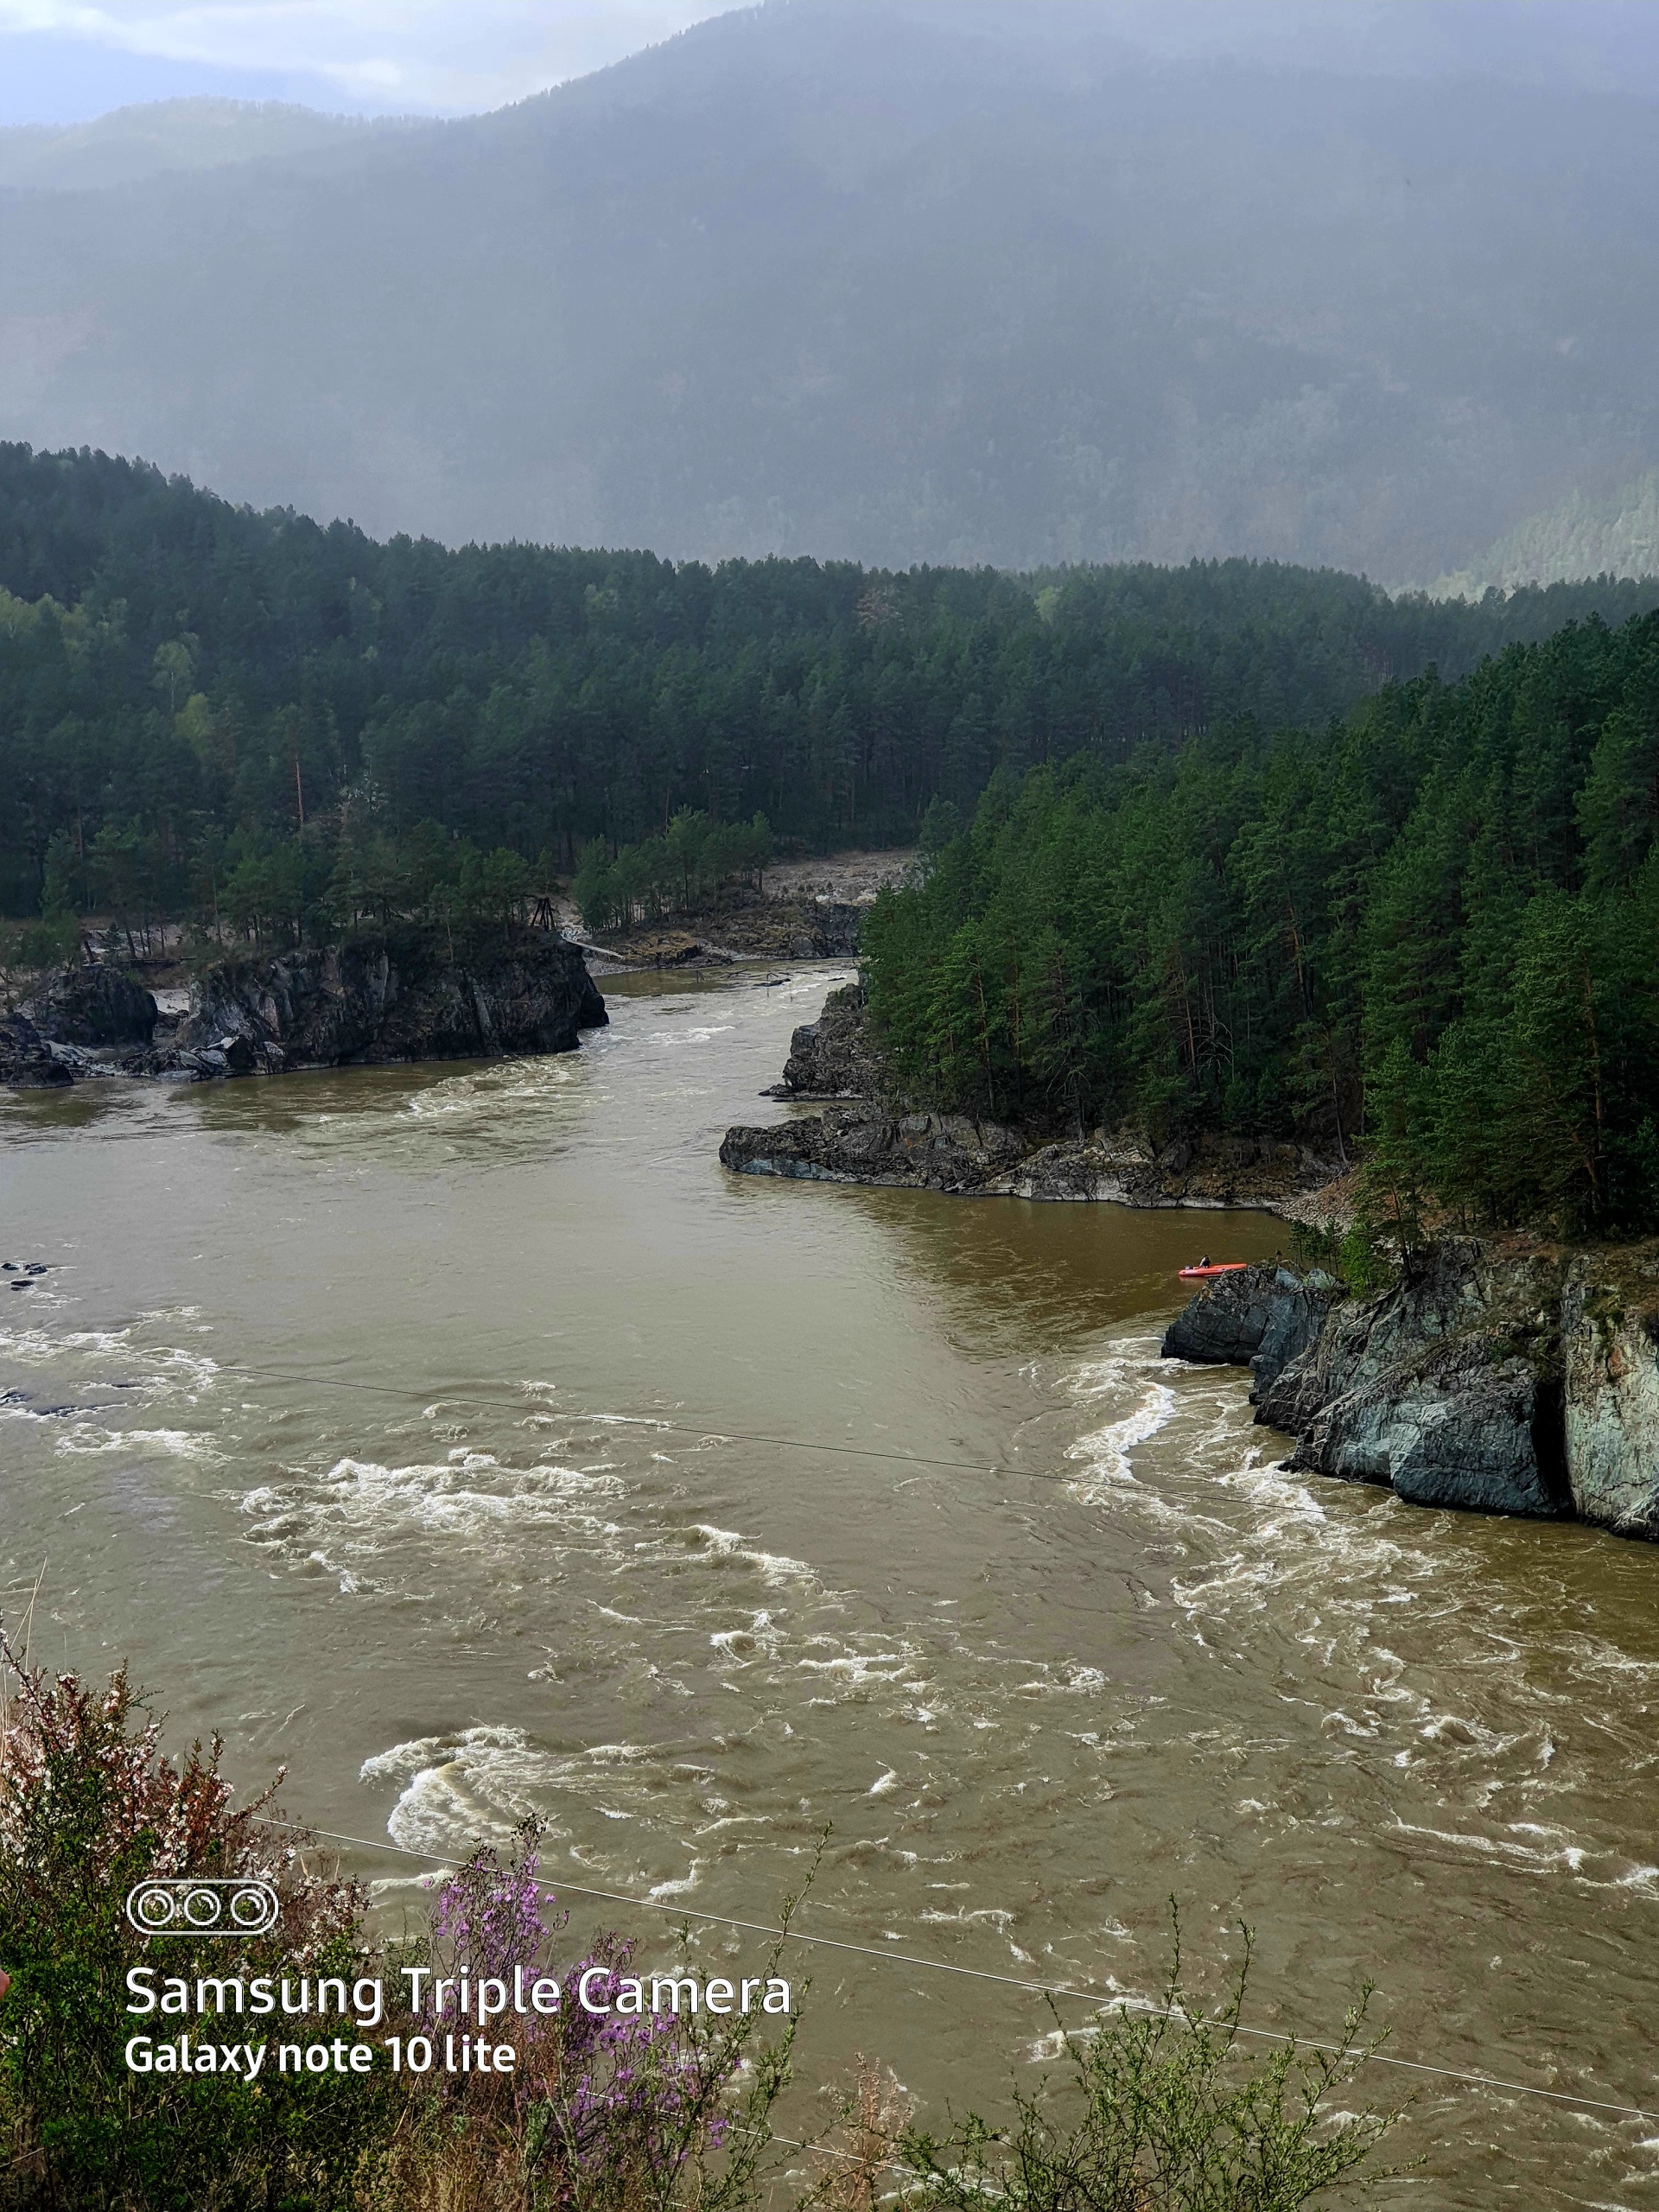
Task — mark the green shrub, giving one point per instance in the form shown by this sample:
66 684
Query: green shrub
1165 2111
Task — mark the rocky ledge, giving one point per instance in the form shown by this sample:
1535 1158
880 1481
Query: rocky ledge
866 1143
333 1007
1500 1381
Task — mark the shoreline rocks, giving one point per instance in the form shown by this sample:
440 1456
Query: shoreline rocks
864 1141
1493 1380
368 1002
753 927
27 1061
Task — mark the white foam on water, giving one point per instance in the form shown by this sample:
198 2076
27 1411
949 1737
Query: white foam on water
478 1783
88 1437
34 1345
679 1888
728 1545
353 1516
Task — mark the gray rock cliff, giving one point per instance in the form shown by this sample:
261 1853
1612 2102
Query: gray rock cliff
1448 1387
1466 1423
1610 1346
1263 1317
372 1002
94 1006
831 1057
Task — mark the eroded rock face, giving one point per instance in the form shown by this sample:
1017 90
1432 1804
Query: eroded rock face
1468 1423
1445 1291
1610 1351
1445 1387
94 1006
1263 1317
829 1058
331 1007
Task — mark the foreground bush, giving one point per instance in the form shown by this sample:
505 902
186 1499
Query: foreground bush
88 1807
1165 2111
602 2111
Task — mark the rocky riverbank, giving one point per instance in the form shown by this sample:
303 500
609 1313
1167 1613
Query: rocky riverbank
330 1006
1496 1378
752 928
864 1138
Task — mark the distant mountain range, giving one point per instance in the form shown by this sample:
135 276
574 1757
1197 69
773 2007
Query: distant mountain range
1580 536
131 143
897 281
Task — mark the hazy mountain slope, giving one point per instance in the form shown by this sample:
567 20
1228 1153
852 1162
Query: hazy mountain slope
1580 536
133 142
895 283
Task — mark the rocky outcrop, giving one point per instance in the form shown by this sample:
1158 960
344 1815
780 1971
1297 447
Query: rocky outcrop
1610 1346
871 1143
1467 1423
742 927
1445 1386
876 1142
788 929
1263 1317
831 1057
862 1144
94 1006
371 1001
1501 1380
27 1061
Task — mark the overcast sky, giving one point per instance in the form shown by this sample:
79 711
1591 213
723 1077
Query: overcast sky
63 61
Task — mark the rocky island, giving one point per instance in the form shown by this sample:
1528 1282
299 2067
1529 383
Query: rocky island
418 995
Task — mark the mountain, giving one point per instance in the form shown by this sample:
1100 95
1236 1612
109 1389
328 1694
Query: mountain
1579 537
896 281
131 143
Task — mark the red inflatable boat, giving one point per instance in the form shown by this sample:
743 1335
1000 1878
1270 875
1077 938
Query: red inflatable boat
1204 1273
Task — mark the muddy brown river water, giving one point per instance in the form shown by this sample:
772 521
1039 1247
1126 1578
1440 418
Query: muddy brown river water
405 1424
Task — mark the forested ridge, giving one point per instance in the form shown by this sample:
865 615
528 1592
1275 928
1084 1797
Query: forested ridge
1428 933
211 713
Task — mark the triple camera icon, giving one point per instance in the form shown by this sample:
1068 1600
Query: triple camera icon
197 1905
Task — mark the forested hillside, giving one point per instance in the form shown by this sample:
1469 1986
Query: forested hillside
189 689
1433 928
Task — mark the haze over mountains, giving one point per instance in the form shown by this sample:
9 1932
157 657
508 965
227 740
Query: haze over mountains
902 280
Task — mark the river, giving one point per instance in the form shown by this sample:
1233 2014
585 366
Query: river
467 1439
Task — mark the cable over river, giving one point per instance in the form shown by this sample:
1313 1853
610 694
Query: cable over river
467 1439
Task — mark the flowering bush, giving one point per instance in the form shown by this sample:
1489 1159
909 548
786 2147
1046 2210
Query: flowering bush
602 2109
88 1807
